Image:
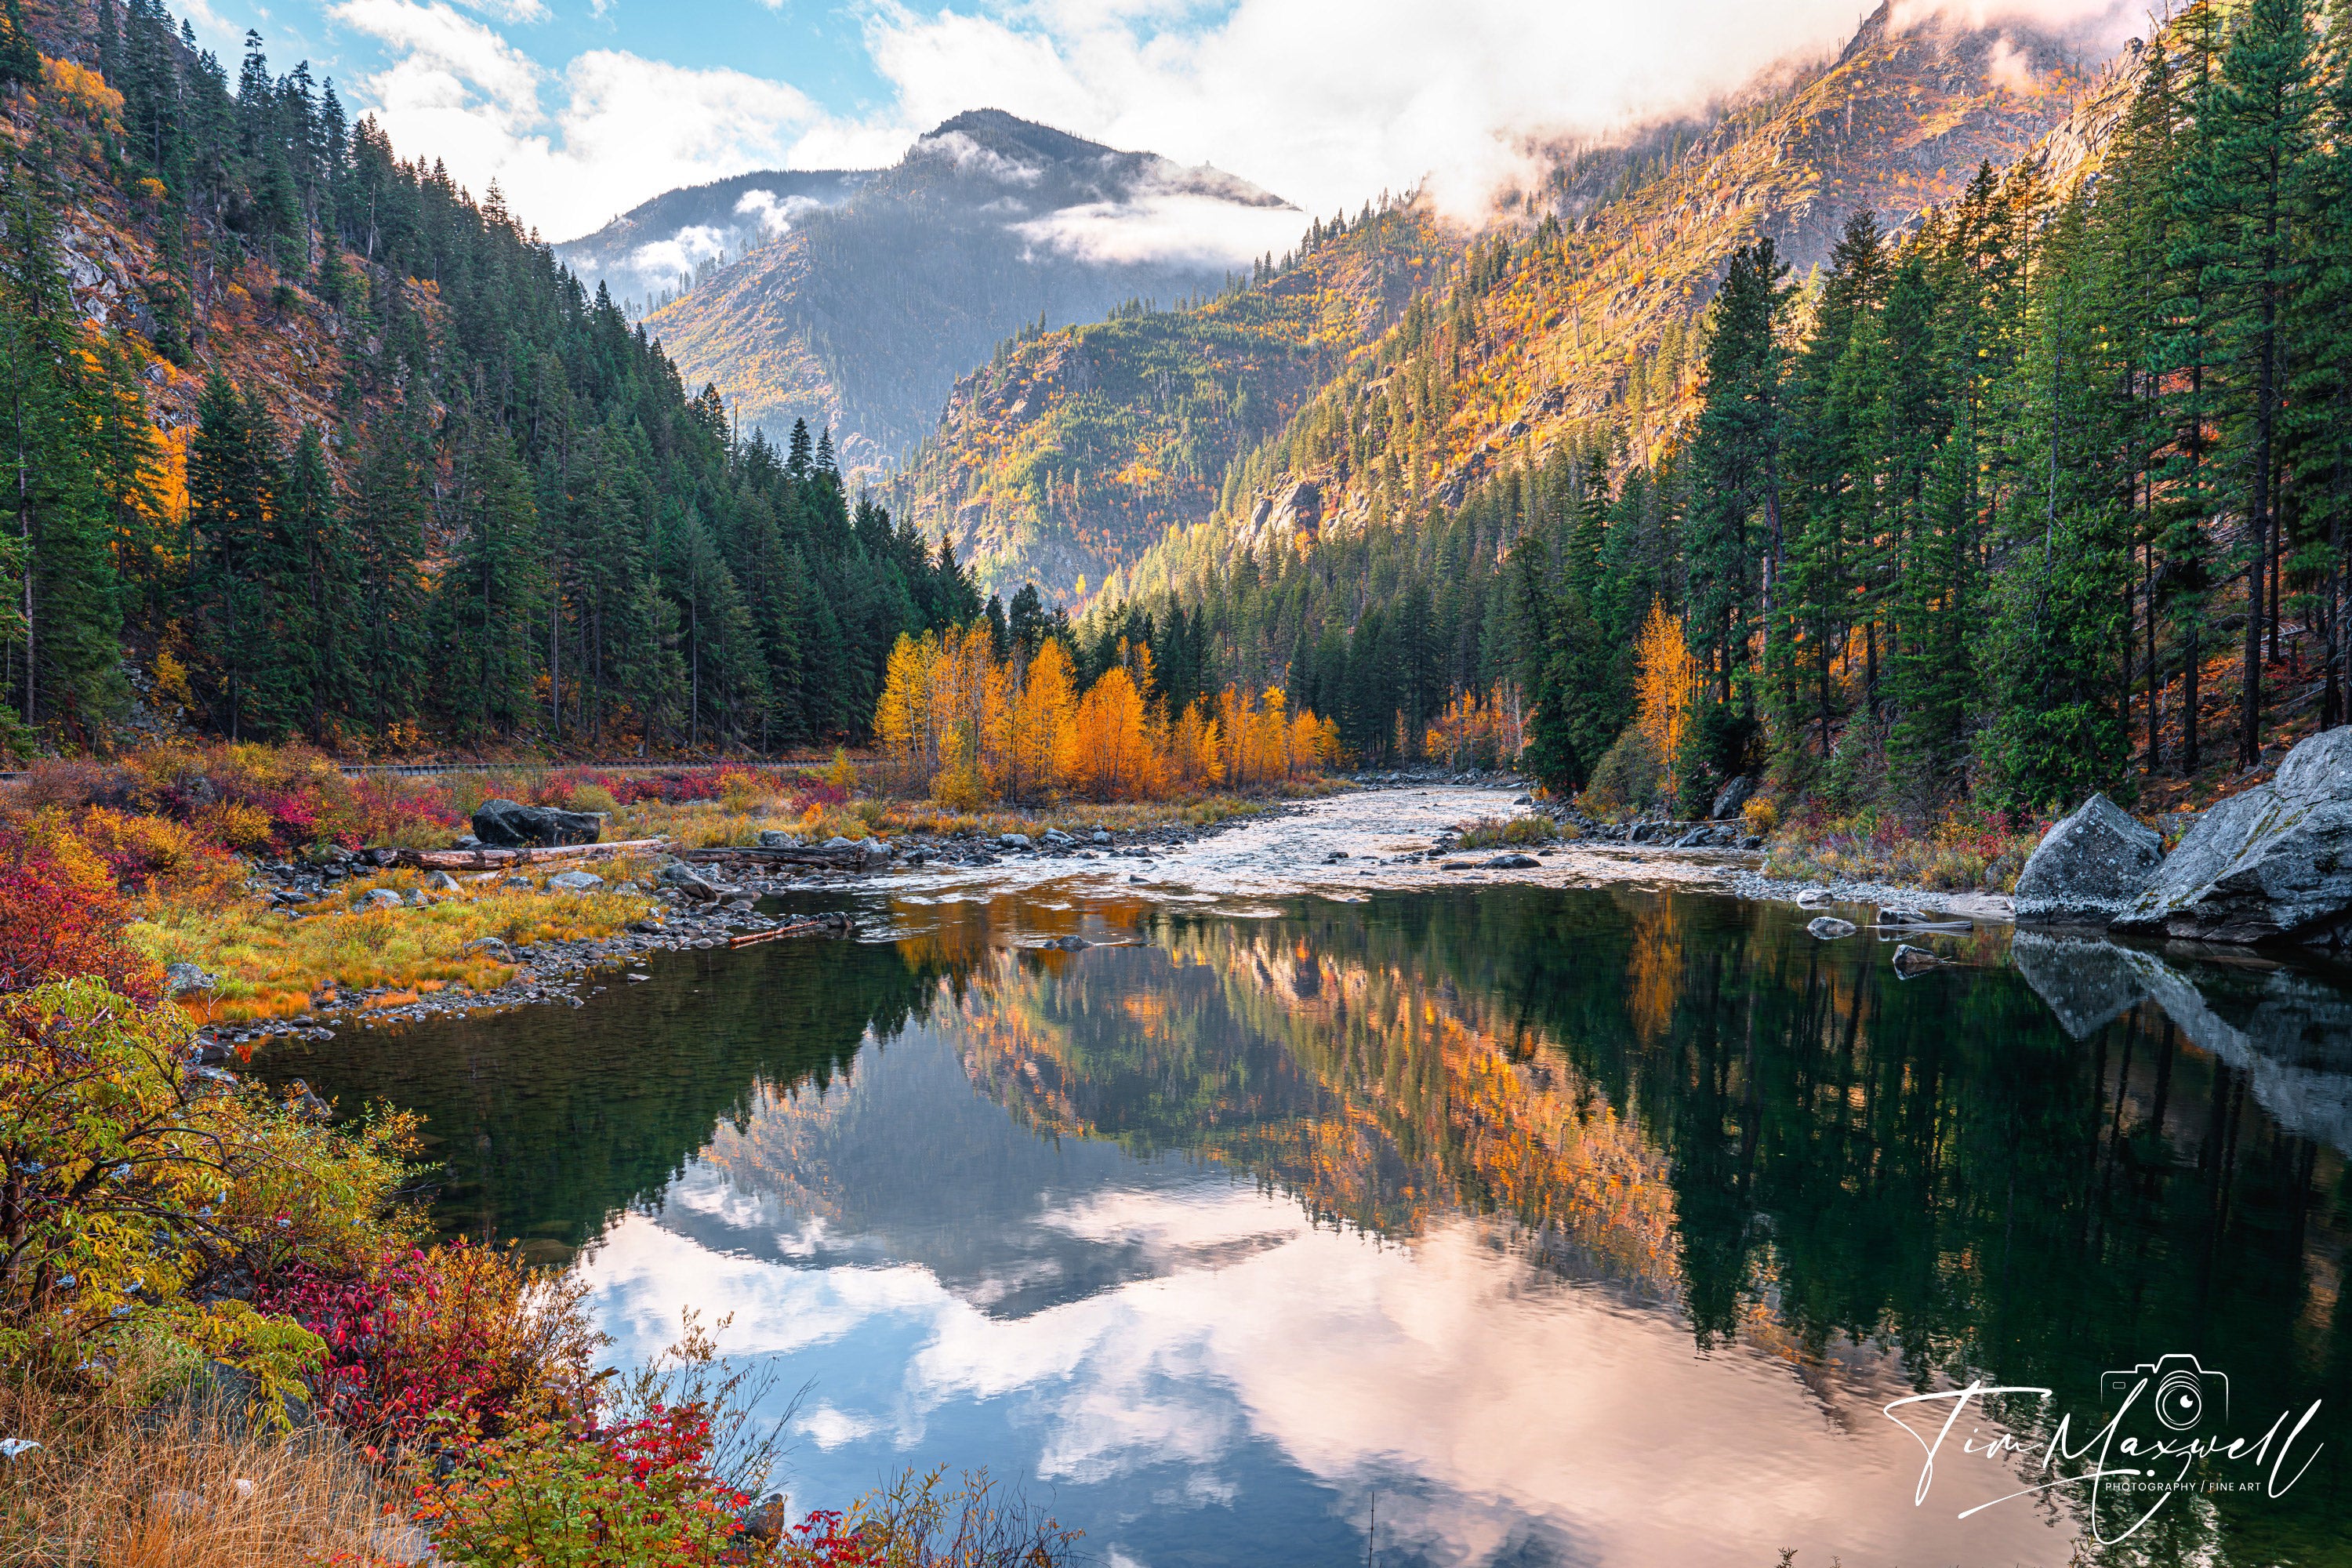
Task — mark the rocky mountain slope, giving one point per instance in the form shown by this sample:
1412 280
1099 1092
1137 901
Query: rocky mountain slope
1583 324
862 315
656 248
1071 451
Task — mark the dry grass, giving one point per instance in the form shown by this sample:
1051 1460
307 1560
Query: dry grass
182 1483
270 966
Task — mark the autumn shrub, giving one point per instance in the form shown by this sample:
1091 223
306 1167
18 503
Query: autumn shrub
61 917
451 1332
1964 850
920 1520
250 797
141 1196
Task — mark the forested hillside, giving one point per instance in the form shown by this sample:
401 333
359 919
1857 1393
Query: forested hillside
1070 452
2045 492
312 442
863 316
1586 314
659 250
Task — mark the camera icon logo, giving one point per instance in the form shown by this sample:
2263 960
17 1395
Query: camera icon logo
2182 1393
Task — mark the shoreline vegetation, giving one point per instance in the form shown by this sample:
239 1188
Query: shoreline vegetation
227 1342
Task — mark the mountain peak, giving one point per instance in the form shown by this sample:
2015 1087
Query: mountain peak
1008 135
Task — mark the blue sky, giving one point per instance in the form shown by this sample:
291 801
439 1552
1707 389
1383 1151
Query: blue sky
580 109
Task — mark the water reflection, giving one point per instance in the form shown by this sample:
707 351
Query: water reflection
1577 1227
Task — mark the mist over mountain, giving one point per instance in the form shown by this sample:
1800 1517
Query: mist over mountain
862 313
660 246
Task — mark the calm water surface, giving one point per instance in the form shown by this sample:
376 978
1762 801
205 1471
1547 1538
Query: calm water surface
1557 1226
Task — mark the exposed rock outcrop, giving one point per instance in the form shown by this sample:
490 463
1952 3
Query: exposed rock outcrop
2273 864
2087 868
510 825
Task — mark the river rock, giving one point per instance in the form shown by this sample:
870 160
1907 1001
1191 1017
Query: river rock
678 875
777 838
1910 960
511 825
442 883
1829 928
179 977
2273 864
1012 840
2088 868
574 882
377 898
1811 897
1513 863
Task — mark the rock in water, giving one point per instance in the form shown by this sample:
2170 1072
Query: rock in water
2088 868
511 825
1829 928
1910 960
1513 863
2273 864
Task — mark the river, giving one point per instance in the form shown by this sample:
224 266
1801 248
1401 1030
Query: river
1328 1210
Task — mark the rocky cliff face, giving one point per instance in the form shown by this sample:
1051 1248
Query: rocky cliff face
863 314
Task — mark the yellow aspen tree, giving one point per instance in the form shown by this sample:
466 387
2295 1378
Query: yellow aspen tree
1665 685
902 718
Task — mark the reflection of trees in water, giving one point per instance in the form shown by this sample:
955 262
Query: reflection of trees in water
546 1122
1690 1094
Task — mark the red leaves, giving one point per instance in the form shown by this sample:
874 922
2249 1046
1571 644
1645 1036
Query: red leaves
55 925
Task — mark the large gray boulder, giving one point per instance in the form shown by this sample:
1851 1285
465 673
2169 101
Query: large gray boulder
2088 868
2273 864
510 825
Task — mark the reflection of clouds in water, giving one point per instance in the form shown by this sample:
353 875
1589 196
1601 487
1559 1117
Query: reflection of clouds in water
1496 1413
830 1427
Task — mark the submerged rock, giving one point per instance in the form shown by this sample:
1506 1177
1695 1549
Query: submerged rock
2088 868
1829 928
2273 864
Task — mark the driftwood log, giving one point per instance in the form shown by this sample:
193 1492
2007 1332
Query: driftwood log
798 929
491 859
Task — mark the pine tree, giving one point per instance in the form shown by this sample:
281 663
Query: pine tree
2253 140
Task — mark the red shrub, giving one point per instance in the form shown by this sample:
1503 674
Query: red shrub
60 920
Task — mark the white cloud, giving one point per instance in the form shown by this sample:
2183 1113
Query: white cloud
627 128
1171 226
1324 102
511 10
775 216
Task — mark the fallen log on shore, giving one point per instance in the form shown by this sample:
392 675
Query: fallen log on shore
489 860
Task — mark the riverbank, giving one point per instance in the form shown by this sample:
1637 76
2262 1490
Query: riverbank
564 943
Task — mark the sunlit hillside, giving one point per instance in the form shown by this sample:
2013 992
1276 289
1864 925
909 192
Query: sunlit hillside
1069 452
1549 332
